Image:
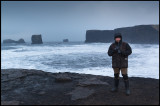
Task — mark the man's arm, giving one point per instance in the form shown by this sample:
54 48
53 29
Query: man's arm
110 51
128 50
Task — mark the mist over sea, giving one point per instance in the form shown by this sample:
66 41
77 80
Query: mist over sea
79 57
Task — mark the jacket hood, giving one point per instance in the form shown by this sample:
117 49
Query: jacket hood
118 35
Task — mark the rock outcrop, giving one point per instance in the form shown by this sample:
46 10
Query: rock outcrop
63 78
80 93
91 82
36 39
13 41
65 40
136 34
36 87
21 41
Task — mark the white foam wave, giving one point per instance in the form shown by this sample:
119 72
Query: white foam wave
144 61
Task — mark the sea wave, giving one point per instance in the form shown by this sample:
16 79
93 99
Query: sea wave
89 58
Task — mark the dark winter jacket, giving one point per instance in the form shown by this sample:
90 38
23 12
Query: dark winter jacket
120 56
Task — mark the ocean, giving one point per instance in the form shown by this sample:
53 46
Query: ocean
79 57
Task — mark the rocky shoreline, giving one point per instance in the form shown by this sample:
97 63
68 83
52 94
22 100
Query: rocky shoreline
36 87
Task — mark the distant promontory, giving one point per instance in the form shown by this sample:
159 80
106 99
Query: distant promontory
136 34
13 41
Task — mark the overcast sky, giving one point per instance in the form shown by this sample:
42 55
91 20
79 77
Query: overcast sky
57 20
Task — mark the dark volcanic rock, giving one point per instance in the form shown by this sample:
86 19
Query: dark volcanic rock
63 78
9 41
13 41
65 40
35 87
36 39
80 93
136 34
91 81
10 103
21 41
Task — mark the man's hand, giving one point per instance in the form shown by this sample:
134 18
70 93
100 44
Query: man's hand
116 49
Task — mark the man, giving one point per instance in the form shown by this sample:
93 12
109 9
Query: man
119 51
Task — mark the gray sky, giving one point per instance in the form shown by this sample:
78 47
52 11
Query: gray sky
57 20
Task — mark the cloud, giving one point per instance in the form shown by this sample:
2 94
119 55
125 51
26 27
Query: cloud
61 19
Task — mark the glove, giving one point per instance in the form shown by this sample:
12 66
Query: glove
115 49
119 51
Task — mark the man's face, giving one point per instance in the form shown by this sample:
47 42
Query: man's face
118 39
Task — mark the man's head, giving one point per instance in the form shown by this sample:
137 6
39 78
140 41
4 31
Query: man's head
117 37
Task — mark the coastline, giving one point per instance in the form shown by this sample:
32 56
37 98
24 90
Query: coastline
36 87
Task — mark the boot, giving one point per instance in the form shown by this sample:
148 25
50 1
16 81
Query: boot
115 87
126 82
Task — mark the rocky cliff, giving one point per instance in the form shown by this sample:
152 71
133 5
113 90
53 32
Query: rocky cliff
136 34
13 41
36 87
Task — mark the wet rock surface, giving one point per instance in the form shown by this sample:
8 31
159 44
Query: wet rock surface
36 87
91 81
80 93
63 78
